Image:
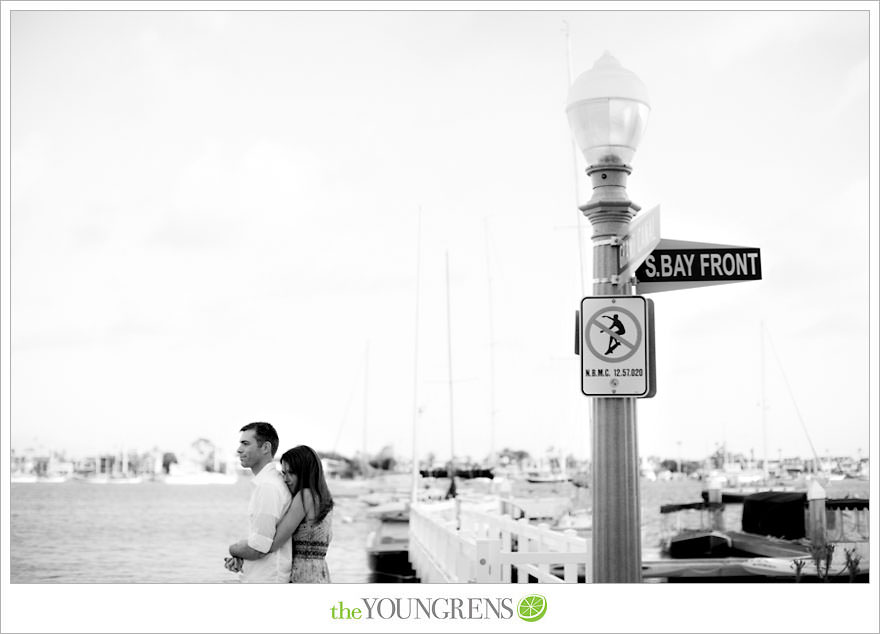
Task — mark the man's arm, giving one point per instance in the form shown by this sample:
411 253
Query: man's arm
268 507
241 549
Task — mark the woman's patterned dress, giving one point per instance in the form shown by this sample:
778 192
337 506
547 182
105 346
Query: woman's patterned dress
310 542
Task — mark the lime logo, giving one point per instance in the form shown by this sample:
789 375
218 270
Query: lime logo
532 608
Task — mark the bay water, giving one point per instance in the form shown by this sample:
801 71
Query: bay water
79 532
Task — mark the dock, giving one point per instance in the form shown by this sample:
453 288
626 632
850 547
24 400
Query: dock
491 540
471 541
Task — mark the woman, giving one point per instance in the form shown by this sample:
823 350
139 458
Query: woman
309 518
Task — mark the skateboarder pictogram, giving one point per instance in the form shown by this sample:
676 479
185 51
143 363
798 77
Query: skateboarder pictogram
617 328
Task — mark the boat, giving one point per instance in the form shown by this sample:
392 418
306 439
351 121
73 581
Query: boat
54 479
469 473
391 511
546 477
109 479
347 487
388 549
125 480
738 495
389 542
105 478
699 543
549 470
194 470
376 498
578 520
776 542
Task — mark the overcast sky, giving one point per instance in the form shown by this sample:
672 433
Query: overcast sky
215 219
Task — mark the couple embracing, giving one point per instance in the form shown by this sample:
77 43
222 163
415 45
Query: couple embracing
289 513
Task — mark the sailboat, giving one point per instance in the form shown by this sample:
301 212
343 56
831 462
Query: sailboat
388 543
774 529
338 483
738 483
548 475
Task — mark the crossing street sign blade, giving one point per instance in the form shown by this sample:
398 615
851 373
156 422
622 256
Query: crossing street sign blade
642 237
678 264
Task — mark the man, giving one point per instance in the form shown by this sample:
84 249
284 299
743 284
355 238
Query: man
269 501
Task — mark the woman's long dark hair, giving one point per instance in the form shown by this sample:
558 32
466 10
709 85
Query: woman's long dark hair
304 463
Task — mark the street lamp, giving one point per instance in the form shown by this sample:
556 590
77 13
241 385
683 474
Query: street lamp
607 112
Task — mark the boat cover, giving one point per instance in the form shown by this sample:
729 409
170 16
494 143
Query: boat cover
775 514
847 504
465 474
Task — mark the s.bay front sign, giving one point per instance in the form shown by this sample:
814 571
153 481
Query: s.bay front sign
677 264
615 334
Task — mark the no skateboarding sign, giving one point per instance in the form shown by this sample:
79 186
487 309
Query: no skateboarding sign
615 350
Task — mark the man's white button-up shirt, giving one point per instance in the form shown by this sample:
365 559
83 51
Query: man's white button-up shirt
269 501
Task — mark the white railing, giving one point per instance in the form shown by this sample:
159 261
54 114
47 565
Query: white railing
535 509
471 542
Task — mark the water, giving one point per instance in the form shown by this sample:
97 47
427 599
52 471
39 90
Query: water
78 532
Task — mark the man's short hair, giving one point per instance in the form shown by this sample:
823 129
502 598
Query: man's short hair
263 432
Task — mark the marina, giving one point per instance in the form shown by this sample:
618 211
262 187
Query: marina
542 528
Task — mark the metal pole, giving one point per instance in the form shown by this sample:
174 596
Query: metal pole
617 548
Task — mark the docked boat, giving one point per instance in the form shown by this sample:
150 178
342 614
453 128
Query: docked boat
737 495
388 546
467 474
397 511
54 479
549 470
113 479
699 543
547 477
785 537
578 520
388 543
347 487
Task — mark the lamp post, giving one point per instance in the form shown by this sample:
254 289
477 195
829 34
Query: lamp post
608 110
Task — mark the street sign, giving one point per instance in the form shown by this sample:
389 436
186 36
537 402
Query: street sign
641 239
677 264
615 347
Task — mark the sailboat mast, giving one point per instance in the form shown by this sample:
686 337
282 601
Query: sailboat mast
583 406
449 353
764 406
574 163
415 412
491 349
366 375
817 461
